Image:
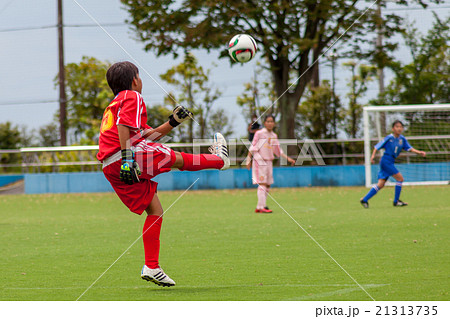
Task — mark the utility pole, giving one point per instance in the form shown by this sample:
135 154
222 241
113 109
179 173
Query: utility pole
380 66
333 57
254 107
61 77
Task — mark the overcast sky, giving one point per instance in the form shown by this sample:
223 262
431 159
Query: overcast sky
28 58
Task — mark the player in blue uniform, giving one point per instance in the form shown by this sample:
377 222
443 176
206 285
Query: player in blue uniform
393 144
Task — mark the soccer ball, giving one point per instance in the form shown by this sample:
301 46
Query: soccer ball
242 48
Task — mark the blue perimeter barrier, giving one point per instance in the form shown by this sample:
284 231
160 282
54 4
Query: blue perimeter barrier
419 172
305 176
8 179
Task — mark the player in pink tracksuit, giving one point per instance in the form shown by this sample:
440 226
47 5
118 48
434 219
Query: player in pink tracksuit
265 145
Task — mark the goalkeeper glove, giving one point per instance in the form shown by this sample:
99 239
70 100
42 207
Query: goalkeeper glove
179 115
129 170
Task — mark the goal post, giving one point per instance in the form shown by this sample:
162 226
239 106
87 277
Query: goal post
427 128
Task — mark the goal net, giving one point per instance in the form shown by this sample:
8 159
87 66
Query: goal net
427 128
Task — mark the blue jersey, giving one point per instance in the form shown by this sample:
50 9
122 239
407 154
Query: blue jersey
393 146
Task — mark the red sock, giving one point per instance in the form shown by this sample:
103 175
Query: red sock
150 236
196 162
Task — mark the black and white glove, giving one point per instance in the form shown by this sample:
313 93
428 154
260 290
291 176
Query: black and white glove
179 115
129 170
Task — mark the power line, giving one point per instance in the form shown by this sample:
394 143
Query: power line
28 102
146 97
119 24
87 25
418 8
28 28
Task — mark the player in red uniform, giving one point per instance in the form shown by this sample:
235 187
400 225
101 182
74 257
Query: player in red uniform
130 160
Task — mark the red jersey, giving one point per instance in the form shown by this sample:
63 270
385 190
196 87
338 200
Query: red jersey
127 108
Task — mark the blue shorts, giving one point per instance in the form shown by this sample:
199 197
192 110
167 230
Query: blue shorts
387 168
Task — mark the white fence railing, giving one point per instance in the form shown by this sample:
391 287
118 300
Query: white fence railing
82 158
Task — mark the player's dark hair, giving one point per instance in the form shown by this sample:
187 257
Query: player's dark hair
120 76
397 122
269 116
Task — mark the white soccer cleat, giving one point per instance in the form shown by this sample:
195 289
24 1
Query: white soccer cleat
219 148
156 276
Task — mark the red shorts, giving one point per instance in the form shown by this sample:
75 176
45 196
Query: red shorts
153 159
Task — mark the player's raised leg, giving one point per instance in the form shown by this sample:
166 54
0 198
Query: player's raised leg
373 191
220 149
194 162
151 271
398 189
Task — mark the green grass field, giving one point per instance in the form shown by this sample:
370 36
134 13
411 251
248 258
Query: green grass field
216 248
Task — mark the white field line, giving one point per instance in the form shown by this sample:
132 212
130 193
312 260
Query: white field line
334 292
218 286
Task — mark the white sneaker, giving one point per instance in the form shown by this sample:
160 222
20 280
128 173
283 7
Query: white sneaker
220 149
156 276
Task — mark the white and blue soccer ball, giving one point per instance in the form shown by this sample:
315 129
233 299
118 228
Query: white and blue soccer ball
242 48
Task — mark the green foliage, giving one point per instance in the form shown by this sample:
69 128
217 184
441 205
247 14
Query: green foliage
258 95
219 121
158 114
88 95
27 136
76 157
197 93
291 34
361 75
316 113
426 79
15 137
10 138
74 161
48 135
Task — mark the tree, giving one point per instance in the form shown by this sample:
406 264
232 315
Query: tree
292 34
27 136
10 138
258 93
220 122
361 75
426 79
48 135
195 91
158 114
316 112
88 95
